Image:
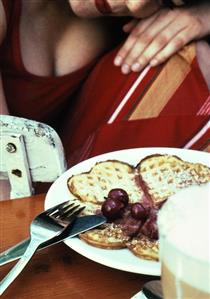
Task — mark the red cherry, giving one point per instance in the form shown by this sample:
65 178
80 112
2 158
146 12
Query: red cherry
120 195
138 211
112 208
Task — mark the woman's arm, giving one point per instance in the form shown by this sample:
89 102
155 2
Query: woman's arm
3 104
155 39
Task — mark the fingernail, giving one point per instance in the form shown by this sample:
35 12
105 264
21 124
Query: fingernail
153 62
118 61
125 69
136 67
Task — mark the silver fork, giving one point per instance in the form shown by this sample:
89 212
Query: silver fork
46 226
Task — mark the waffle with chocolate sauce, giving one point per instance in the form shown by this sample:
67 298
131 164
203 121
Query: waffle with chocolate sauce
155 178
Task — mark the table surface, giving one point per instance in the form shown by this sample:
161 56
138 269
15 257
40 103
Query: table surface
58 271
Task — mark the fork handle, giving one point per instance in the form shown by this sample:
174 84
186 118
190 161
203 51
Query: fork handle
15 271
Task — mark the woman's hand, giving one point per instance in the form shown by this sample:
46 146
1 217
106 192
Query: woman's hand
155 39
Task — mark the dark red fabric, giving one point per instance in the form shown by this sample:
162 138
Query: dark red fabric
191 94
102 93
164 131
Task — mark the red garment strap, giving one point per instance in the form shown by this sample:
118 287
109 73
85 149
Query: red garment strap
103 7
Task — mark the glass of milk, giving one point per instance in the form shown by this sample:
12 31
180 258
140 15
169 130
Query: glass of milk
184 232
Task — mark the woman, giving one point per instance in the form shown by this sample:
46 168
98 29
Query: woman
30 59
45 45
47 51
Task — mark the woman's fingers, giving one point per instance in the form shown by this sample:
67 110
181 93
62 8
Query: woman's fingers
140 38
157 38
160 42
141 26
191 30
175 44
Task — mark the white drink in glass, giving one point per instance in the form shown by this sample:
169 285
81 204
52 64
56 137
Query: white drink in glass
184 232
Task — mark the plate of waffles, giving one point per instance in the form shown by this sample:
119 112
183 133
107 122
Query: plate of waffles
153 174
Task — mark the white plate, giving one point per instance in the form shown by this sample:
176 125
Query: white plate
121 259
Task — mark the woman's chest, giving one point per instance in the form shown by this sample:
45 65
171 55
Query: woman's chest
60 47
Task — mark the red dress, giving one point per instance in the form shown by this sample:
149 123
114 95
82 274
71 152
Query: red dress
168 105
165 106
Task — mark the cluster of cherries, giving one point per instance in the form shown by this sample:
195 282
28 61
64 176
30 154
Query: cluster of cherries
116 202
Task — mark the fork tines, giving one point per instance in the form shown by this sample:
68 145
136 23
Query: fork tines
67 210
